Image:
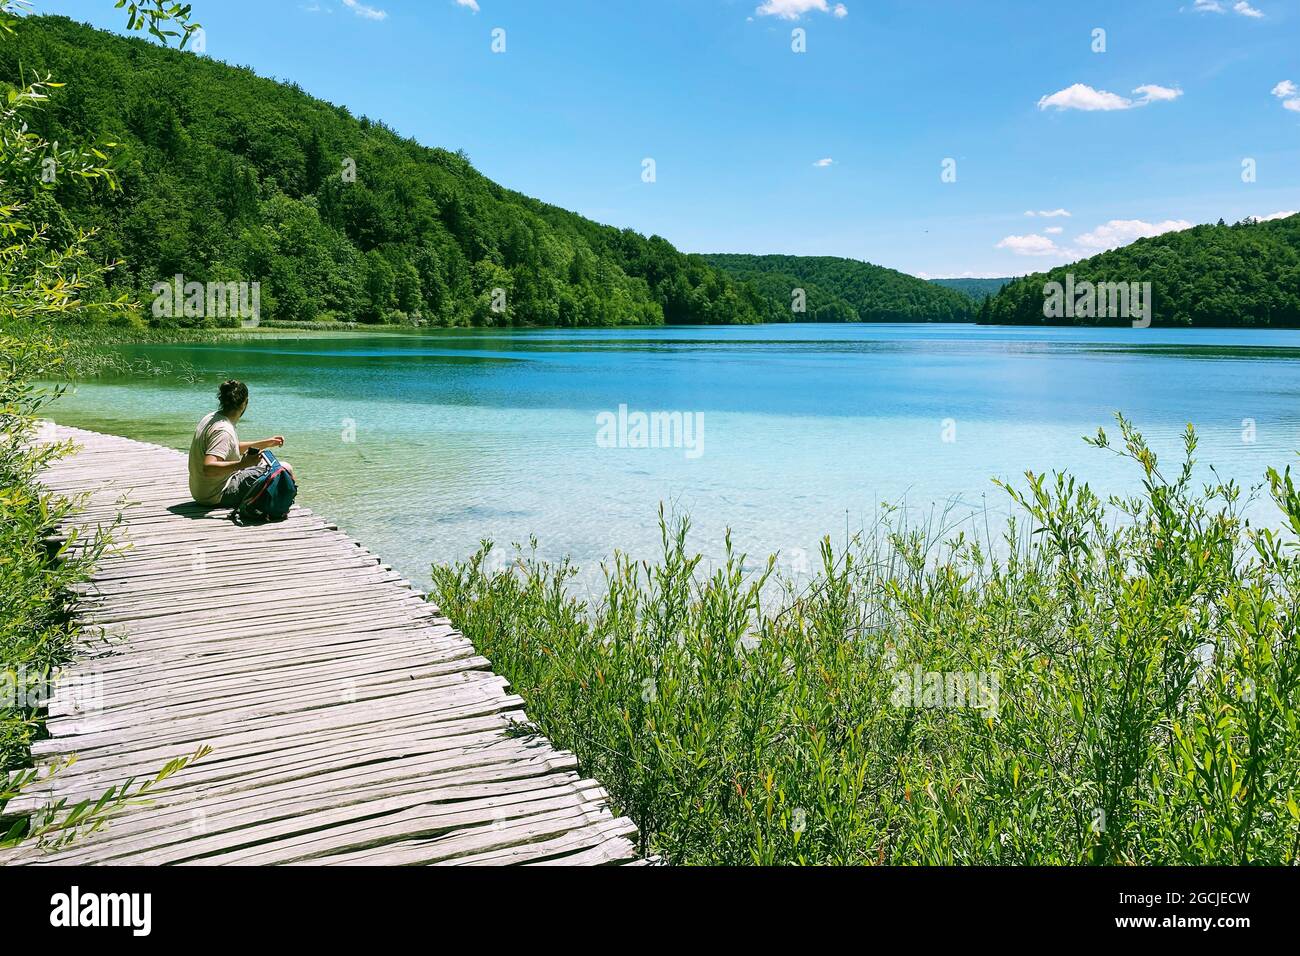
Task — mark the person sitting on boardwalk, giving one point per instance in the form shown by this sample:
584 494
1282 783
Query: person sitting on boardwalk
221 466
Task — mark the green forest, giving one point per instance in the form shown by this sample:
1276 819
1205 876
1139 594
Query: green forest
1247 275
977 289
236 178
846 290
231 177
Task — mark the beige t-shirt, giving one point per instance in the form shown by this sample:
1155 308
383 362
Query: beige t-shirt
214 435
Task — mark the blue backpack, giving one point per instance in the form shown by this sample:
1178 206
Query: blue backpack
270 497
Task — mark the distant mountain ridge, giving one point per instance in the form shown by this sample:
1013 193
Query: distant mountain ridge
977 289
845 290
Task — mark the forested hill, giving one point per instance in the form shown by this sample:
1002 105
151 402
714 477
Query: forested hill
977 289
846 290
230 177
1246 274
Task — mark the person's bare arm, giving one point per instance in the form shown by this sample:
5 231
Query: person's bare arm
214 467
275 442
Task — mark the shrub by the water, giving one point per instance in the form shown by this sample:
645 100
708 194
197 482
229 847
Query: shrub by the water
36 633
1114 682
47 277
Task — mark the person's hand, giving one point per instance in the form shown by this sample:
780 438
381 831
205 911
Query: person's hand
251 458
277 441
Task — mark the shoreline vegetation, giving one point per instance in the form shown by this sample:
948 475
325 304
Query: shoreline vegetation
36 633
1107 692
42 559
50 277
89 348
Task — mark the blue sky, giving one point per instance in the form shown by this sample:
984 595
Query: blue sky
838 150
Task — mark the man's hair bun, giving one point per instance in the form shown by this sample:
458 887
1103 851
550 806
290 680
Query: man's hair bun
232 395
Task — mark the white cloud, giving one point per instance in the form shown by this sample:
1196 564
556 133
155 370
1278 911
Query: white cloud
1289 94
794 9
1080 96
472 4
1031 245
365 12
1120 232
824 162
1048 213
1241 8
1286 214
1109 235
1156 94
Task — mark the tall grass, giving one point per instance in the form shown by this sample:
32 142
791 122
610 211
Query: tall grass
48 276
35 633
92 350
1111 682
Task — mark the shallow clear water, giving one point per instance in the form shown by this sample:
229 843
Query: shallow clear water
461 436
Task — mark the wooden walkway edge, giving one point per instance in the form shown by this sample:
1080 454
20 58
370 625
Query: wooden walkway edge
349 722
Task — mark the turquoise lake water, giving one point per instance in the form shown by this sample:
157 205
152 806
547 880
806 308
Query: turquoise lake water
421 445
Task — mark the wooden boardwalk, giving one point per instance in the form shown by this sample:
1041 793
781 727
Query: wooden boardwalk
349 721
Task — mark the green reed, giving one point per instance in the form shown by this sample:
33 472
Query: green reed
38 568
1109 682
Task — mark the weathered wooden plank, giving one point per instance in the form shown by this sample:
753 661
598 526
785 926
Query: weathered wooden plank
194 829
305 762
375 823
187 737
467 842
393 761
